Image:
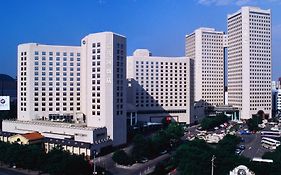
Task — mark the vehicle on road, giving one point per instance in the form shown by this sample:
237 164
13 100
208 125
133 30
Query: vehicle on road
240 122
270 143
199 128
238 151
244 132
262 125
270 133
143 160
242 147
275 128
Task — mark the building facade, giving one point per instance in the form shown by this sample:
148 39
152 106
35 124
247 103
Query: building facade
104 83
205 47
249 61
276 102
74 88
158 87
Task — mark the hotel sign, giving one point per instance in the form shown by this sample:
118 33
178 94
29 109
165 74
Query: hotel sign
4 103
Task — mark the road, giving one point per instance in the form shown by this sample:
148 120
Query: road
9 172
136 169
252 142
253 146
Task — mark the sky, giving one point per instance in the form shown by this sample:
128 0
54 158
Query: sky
158 25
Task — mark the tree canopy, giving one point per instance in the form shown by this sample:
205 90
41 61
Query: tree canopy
209 123
33 157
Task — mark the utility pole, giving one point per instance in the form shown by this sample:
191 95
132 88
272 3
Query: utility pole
213 159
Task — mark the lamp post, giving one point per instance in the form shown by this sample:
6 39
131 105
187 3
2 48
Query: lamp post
213 159
94 153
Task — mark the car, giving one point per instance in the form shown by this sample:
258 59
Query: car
241 147
275 128
199 128
238 151
240 122
216 128
143 160
163 152
244 132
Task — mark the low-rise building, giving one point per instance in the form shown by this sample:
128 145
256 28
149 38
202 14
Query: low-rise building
27 139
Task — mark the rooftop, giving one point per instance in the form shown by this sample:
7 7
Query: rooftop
33 136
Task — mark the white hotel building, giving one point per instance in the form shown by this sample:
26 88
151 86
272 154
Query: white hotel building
81 88
205 48
249 61
158 87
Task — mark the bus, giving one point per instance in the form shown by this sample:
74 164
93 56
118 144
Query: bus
271 134
269 143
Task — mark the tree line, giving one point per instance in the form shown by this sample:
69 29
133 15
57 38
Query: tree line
33 157
150 147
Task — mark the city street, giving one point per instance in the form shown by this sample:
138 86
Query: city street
253 146
138 168
4 171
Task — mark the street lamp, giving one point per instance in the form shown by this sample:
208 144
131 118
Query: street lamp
94 153
213 160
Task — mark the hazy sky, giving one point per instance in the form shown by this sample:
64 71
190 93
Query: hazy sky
158 25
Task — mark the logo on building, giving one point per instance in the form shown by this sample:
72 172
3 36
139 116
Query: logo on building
4 103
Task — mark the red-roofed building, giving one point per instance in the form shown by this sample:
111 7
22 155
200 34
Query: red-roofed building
26 139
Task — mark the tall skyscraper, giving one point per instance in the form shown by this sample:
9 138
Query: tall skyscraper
103 80
158 87
78 85
249 61
205 48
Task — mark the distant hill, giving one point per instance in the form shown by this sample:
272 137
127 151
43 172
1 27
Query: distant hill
4 77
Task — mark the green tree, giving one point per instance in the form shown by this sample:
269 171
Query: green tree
210 122
140 148
228 144
59 162
254 122
160 141
192 158
121 157
174 131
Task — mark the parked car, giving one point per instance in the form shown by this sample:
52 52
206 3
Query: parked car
163 152
238 151
143 160
244 132
241 147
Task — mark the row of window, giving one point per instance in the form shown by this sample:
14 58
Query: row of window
57 53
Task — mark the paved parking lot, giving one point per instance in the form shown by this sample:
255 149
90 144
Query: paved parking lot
252 142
